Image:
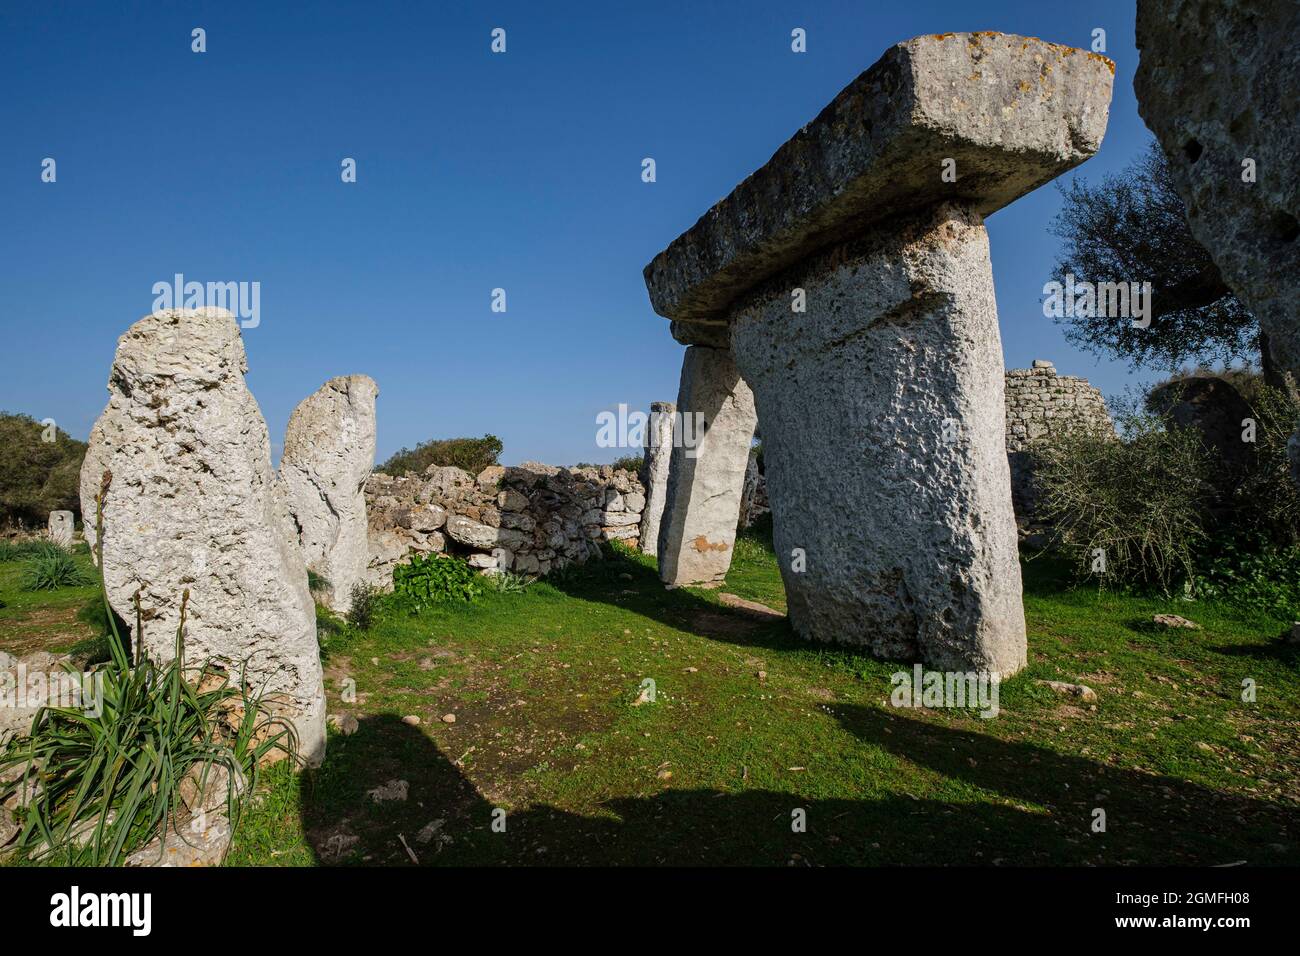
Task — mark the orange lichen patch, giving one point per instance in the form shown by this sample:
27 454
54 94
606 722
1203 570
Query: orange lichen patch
942 36
703 544
1110 64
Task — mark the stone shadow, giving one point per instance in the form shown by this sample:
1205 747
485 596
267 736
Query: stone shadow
446 820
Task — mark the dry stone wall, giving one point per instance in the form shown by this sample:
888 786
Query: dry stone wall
1041 405
530 518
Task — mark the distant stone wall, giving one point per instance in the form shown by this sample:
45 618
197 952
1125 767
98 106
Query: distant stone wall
1041 404
530 518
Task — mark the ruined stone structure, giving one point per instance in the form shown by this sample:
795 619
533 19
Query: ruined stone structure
529 518
1218 83
193 506
1040 406
329 452
848 284
62 527
658 455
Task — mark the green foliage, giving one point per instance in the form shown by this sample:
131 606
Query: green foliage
317 582
630 463
433 579
471 454
95 782
1140 500
366 600
507 582
1255 579
37 477
27 548
1133 228
53 569
1266 502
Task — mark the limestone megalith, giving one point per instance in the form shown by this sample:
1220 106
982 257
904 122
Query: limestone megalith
849 281
1218 82
61 528
712 433
193 506
658 455
329 453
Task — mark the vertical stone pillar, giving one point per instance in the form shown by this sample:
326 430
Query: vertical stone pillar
714 429
658 456
883 423
61 528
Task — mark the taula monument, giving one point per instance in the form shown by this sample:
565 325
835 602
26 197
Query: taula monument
843 296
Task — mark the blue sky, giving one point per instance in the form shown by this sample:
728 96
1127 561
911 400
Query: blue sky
475 171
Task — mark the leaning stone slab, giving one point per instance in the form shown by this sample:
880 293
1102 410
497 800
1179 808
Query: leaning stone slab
850 279
710 449
658 454
1012 112
1218 82
61 528
329 452
193 506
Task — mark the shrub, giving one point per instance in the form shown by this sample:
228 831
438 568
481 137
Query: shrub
507 582
28 548
110 776
1258 579
630 463
435 578
1266 501
365 602
36 476
52 570
1138 501
471 454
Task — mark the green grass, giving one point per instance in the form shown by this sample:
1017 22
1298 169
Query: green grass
542 685
61 620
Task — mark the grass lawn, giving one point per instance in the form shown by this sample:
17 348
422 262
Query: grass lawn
750 724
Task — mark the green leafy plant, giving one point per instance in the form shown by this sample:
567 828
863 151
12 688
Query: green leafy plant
471 454
1257 579
366 599
507 582
52 570
94 783
1131 510
435 578
28 548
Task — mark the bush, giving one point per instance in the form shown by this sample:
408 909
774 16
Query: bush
471 454
1261 579
29 548
1266 501
433 579
36 476
630 463
52 570
365 602
1139 501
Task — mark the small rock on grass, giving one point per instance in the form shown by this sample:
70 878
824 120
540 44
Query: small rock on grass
1173 620
392 790
448 718
1081 691
411 720
346 724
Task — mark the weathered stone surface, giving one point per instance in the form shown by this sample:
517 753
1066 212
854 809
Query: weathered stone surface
61 528
1013 112
658 455
883 421
1218 82
329 452
193 507
710 448
203 841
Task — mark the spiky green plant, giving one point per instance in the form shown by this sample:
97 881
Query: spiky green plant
94 783
29 548
52 570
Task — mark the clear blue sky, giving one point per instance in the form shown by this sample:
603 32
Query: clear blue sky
475 171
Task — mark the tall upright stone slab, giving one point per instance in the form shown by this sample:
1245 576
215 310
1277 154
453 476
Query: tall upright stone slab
61 528
850 280
1218 82
329 452
712 434
193 505
658 456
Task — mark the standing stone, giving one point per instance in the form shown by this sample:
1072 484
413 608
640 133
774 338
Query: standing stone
329 453
193 506
710 448
850 278
62 525
1218 82
658 455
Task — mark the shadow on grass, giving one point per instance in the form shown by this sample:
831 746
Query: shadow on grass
446 821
